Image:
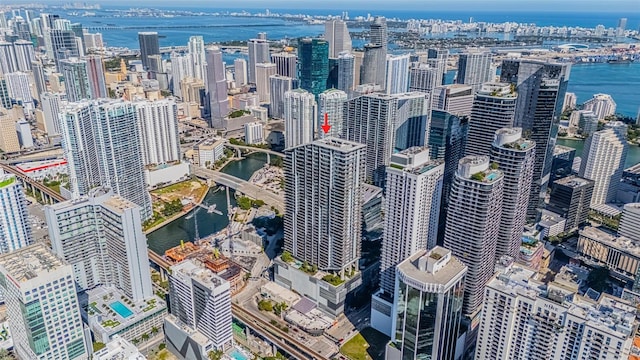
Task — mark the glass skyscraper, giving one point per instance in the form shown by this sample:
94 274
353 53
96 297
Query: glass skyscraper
313 57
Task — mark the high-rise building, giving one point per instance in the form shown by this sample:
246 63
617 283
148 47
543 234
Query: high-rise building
602 105
42 306
397 74
95 74
25 138
473 223
158 125
254 133
216 87
563 157
571 199
456 99
101 236
62 45
300 111
371 120
38 77
378 32
422 77
258 54
8 136
586 120
521 321
181 69
240 72
279 85
412 120
76 80
515 158
438 58
19 89
630 222
374 64
263 73
622 25
24 55
337 34
196 52
411 208
149 45
7 58
15 228
102 146
346 71
570 100
201 300
313 55
494 108
51 103
541 87
331 104
428 306
324 225
286 64
475 69
603 159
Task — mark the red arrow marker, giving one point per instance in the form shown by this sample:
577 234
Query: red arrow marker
326 127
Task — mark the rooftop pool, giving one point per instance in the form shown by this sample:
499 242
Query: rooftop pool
121 309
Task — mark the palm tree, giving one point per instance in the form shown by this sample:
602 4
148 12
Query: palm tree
215 355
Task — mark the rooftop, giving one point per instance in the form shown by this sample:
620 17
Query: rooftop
561 149
200 273
30 262
619 243
118 349
209 144
573 181
339 144
436 266
6 180
118 204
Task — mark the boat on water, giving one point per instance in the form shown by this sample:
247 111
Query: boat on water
619 61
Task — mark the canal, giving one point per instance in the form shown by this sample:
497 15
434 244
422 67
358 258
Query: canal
633 155
208 223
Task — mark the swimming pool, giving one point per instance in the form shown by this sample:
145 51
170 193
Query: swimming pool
237 355
122 310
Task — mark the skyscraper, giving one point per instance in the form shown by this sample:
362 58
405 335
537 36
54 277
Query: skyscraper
15 229
258 54
541 87
102 147
196 52
62 45
587 122
602 105
42 305
438 58
286 64
95 74
101 236
474 68
263 72
515 158
200 300
149 45
158 125
571 199
279 85
38 77
378 32
397 74
428 306
370 120
24 55
331 103
76 80
622 25
521 322
411 208
630 222
313 55
51 103
324 225
374 64
603 161
216 87
7 58
19 89
240 71
337 34
8 136
494 108
456 99
473 222
422 77
300 111
181 68
346 71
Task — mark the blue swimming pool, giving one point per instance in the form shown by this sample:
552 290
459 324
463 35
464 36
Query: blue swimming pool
237 355
121 309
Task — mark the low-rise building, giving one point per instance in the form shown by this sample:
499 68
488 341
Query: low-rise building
118 349
208 151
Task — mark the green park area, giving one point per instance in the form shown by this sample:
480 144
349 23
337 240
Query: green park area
369 344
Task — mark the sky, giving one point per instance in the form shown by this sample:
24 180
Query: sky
632 6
